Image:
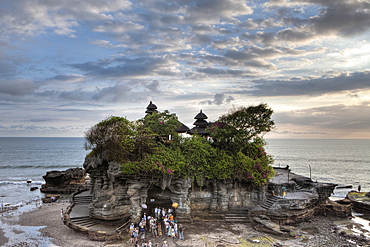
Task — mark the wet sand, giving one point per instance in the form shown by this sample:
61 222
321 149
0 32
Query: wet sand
44 228
40 227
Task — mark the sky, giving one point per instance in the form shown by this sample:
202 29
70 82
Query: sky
66 65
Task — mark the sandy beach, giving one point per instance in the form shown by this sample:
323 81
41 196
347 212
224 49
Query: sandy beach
29 226
40 227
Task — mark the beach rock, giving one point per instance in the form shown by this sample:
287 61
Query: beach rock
64 182
273 227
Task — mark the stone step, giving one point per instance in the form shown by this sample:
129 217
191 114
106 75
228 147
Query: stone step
84 221
238 218
270 201
82 199
82 202
238 214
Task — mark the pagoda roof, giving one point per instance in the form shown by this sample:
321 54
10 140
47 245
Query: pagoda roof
151 108
201 123
182 129
201 115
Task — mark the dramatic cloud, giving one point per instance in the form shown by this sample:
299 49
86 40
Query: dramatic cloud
307 59
313 87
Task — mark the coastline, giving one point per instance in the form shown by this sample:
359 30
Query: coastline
30 226
42 227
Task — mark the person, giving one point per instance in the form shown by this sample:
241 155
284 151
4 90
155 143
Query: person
171 218
159 229
155 230
150 244
165 244
283 191
142 232
131 232
156 212
176 230
62 214
181 232
135 235
37 201
359 188
173 234
136 244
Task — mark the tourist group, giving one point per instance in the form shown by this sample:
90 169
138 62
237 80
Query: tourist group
162 225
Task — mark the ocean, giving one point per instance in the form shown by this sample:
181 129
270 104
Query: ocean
29 158
343 162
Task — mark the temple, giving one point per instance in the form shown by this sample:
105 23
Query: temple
117 197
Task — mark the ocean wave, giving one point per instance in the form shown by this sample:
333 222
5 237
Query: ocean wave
64 167
20 182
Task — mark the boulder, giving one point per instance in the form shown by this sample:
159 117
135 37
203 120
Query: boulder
64 182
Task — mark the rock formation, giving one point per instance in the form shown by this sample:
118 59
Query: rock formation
118 196
64 182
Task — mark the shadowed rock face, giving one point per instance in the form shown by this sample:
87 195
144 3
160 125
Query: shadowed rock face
64 182
117 196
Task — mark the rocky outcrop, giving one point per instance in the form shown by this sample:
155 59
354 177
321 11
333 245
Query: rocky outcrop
287 198
65 182
116 196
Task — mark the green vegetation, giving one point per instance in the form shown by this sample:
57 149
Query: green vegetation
152 146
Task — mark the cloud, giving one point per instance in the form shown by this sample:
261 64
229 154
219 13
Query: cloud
343 17
130 67
284 133
204 10
212 72
68 78
32 17
104 54
302 25
18 87
118 27
339 117
313 87
218 99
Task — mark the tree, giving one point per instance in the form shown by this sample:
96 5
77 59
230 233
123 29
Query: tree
236 150
112 136
152 129
235 130
200 157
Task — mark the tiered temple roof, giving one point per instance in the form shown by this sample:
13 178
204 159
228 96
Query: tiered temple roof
151 108
201 124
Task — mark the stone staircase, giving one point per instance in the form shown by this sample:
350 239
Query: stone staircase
81 218
270 201
236 215
298 187
82 199
85 221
